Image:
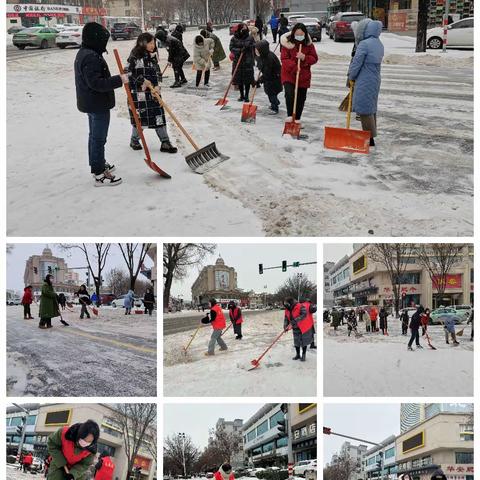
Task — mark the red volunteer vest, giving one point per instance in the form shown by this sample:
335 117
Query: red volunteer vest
27 460
219 323
306 324
68 450
218 476
233 313
106 470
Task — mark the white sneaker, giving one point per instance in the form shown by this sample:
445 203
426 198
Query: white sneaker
106 179
288 119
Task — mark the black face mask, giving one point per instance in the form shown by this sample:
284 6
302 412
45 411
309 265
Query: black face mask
244 34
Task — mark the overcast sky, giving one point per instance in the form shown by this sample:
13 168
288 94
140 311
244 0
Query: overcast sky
245 259
372 422
74 258
195 420
333 252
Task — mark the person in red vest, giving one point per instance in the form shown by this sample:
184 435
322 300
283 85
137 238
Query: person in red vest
104 468
311 308
27 300
27 462
301 324
373 318
217 319
236 319
224 472
73 451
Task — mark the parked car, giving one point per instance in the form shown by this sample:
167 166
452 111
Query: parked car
304 466
314 28
118 302
107 298
126 31
464 310
341 25
439 312
14 29
42 37
70 36
459 35
63 26
233 26
293 19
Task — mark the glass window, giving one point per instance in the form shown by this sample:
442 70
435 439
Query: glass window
257 451
7 421
274 419
15 421
463 457
268 447
102 448
390 452
251 435
262 428
31 419
282 442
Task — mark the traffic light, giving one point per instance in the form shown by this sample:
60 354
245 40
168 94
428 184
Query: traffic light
49 269
284 265
282 428
35 270
260 268
19 430
379 465
296 264
327 431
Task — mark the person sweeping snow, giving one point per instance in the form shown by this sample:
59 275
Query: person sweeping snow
415 323
218 52
48 304
217 319
449 327
202 54
128 302
296 317
27 300
177 55
84 299
236 318
310 308
73 451
224 472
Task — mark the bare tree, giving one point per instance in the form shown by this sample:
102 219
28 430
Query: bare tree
394 257
176 450
439 259
422 24
118 281
341 469
297 286
225 444
177 258
136 420
134 255
95 260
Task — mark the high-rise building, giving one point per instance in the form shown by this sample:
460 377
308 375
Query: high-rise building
234 427
411 414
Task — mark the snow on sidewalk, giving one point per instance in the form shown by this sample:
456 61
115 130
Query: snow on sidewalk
377 365
226 374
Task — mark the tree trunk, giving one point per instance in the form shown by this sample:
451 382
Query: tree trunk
422 24
166 290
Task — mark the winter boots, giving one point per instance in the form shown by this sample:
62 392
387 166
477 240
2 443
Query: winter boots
135 145
297 356
168 147
304 354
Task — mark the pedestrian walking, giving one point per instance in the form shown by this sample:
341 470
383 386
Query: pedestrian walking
383 315
217 320
242 47
224 472
335 319
177 55
128 302
296 317
104 468
203 49
259 26
365 71
84 299
292 41
415 323
149 301
404 318
48 303
449 328
273 22
236 318
425 320
368 322
144 70
310 308
27 462
218 51
270 74
361 313
95 97
73 450
352 322
27 300
282 26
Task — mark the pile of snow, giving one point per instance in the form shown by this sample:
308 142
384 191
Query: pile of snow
378 365
226 374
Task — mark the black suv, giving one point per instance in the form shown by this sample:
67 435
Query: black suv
125 30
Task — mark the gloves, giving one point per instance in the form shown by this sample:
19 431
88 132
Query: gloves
69 476
206 320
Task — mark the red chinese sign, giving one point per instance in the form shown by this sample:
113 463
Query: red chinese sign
142 462
397 22
450 281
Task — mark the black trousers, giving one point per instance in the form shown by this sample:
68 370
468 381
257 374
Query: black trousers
274 34
237 329
289 99
178 72
244 91
414 338
26 310
404 328
199 77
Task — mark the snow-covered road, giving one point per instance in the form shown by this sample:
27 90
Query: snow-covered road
375 365
108 355
417 181
226 374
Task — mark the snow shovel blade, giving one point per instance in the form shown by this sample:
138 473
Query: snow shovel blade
222 103
292 128
249 113
347 140
205 159
255 364
157 169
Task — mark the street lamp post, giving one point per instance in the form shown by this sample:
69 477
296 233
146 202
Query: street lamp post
208 12
143 15
182 437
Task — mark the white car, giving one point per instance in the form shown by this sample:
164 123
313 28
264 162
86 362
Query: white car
118 302
70 36
304 466
459 34
464 311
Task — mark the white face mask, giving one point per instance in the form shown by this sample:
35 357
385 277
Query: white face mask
83 443
299 38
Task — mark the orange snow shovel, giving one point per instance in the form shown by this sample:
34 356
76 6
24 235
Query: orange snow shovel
203 159
256 362
223 101
293 128
249 110
347 139
138 125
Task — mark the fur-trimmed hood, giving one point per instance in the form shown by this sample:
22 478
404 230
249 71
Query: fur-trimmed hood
284 42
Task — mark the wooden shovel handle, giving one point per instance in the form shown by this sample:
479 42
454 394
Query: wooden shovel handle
160 100
233 76
297 78
349 111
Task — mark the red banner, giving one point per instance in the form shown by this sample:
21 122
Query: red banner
451 281
142 462
397 22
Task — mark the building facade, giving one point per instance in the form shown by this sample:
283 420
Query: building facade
303 428
340 282
327 291
380 461
233 427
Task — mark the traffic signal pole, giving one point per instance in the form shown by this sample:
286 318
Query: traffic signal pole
328 431
285 266
24 427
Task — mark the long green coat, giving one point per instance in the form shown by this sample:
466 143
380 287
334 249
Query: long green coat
56 471
335 318
48 302
218 51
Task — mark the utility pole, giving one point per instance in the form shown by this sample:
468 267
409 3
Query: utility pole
208 13
445 25
143 15
182 437
24 425
252 9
